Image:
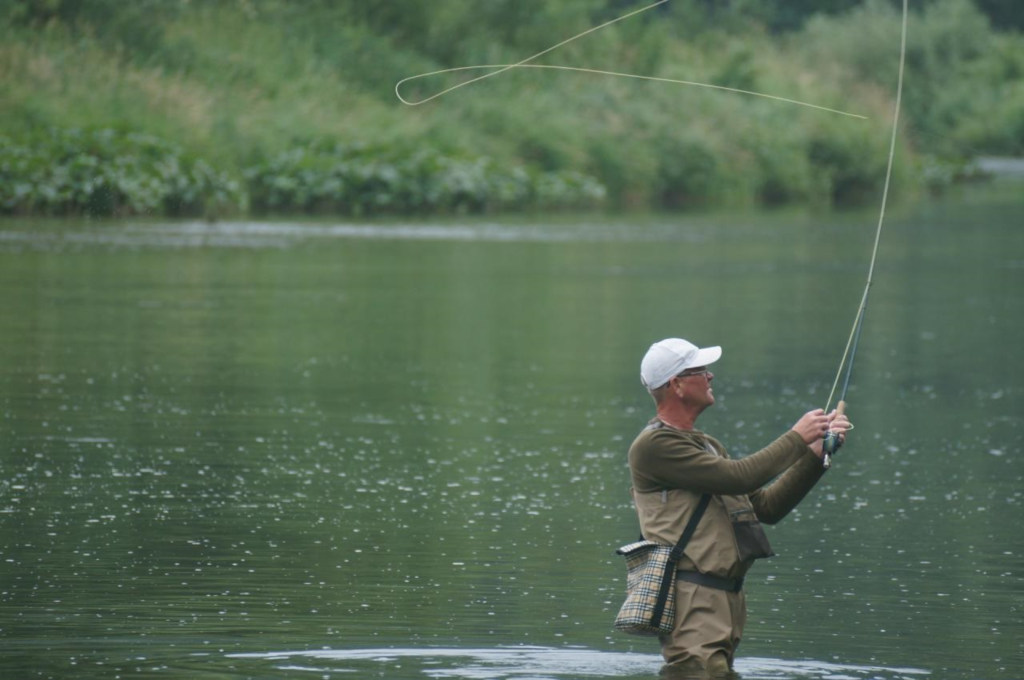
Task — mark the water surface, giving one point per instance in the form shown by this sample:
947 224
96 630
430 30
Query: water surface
398 449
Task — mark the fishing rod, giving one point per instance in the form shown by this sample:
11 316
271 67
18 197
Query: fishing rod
832 441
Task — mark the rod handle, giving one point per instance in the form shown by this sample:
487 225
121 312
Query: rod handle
831 442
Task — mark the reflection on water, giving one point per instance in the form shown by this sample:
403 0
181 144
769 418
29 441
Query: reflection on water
233 234
220 440
542 663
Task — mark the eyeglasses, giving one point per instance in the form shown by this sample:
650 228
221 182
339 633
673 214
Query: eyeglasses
700 371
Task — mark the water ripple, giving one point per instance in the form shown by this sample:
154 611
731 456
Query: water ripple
543 663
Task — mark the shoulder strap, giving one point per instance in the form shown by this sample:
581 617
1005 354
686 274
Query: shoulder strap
691 527
670 569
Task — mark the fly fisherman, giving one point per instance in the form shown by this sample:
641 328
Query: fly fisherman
672 465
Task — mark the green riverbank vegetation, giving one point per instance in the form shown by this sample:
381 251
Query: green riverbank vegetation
268 107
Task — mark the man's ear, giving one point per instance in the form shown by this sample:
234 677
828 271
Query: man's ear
677 386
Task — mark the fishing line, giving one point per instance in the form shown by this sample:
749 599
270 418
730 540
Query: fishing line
850 351
525 63
502 69
858 321
579 69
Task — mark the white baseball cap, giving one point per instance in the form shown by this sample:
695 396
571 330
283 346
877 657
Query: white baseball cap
670 357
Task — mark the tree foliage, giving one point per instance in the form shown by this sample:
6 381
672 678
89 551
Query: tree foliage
273 105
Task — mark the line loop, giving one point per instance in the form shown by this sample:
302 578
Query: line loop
501 68
525 63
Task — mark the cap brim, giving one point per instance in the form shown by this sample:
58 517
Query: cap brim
707 355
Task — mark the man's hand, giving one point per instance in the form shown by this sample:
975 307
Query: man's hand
814 425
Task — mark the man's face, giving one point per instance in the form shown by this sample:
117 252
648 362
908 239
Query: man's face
694 387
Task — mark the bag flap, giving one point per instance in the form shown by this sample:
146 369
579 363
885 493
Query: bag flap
632 548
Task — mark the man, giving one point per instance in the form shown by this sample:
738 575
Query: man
673 465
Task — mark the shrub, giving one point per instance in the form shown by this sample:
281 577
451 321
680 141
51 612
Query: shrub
690 172
330 178
961 81
106 172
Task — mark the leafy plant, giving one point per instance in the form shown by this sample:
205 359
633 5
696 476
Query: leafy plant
106 172
324 177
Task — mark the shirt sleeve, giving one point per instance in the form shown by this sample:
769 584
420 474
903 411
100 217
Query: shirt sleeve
669 460
776 500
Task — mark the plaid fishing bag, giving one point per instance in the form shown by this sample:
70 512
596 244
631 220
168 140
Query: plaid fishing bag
650 606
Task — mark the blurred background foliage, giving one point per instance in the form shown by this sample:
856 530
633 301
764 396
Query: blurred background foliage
228 107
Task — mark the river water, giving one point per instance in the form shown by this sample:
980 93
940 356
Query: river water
397 449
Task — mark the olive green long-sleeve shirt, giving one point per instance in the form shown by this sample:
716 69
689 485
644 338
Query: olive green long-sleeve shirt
663 457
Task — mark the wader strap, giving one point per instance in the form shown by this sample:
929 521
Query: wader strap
669 576
730 585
